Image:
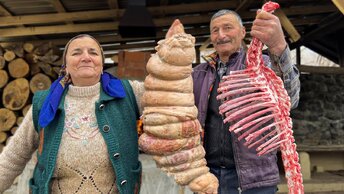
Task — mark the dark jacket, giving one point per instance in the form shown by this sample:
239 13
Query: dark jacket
117 123
253 171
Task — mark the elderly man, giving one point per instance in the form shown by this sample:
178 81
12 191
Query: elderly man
238 168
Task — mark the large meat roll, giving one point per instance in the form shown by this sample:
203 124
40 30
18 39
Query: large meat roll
171 129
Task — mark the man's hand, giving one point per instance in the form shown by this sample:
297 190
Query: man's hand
267 28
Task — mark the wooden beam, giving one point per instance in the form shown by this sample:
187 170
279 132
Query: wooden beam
205 44
113 4
114 38
321 70
340 48
94 27
117 13
322 50
339 4
288 26
113 26
60 8
4 11
303 10
243 6
330 24
58 29
58 17
298 56
192 8
110 14
163 2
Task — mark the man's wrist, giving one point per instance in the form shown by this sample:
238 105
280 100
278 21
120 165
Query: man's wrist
278 50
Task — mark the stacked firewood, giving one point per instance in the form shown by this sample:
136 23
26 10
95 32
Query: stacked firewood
24 69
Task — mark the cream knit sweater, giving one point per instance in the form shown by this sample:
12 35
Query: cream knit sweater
83 164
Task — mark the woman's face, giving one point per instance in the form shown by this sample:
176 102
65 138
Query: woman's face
84 61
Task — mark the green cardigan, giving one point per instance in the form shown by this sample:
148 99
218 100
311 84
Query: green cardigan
116 119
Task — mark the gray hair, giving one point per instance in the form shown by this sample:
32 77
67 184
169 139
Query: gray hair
225 12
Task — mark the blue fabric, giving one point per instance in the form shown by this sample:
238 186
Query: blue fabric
228 183
111 85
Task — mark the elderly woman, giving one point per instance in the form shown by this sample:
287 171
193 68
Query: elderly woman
84 128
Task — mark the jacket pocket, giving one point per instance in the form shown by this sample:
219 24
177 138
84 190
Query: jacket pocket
33 187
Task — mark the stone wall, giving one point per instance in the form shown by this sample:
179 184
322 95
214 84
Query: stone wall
319 118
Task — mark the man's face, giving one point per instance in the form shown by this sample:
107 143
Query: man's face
226 34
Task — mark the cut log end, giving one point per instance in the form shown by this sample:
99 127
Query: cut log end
18 68
39 82
9 55
7 119
3 78
16 94
2 62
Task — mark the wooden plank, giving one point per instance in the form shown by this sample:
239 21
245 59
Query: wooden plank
321 70
319 148
205 44
103 14
114 38
243 5
287 25
60 8
93 27
113 4
117 13
4 11
163 2
58 17
304 10
58 29
58 5
339 4
340 48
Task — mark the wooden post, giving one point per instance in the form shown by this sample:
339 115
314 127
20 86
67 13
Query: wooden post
298 56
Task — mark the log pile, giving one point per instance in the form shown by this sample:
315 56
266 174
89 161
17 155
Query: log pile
24 69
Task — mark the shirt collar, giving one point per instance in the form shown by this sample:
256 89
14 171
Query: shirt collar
213 58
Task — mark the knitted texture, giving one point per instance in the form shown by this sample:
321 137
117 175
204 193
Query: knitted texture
26 139
82 165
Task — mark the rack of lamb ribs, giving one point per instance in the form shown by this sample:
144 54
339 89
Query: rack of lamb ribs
258 107
170 125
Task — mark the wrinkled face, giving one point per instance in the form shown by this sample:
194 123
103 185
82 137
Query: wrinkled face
226 34
84 61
